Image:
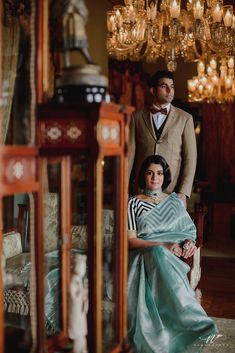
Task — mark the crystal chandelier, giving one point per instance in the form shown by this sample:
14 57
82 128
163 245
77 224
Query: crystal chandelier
148 29
213 85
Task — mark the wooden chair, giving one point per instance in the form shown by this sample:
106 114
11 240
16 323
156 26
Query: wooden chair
196 260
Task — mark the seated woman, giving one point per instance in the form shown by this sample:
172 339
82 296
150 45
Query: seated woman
163 313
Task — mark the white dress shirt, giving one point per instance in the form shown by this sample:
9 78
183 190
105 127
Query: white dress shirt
159 118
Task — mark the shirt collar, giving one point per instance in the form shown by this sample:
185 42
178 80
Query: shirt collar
168 107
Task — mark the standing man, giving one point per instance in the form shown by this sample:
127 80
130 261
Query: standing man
165 130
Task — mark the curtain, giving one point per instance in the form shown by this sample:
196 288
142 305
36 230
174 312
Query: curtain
10 49
128 83
219 144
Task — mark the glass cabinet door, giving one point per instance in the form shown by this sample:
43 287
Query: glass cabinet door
18 268
51 215
55 181
111 231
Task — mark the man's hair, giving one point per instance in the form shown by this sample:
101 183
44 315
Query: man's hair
155 159
153 82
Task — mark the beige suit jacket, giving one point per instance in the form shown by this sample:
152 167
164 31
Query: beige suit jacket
177 145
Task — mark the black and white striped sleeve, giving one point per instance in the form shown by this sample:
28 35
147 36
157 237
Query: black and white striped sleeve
132 210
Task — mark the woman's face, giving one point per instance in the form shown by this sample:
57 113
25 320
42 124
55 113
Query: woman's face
154 177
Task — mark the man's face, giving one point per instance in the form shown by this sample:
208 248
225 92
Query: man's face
164 92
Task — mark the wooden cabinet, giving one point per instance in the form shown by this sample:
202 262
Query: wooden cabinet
64 196
91 142
21 323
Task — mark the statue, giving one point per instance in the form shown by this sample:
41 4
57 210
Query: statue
78 305
75 82
74 35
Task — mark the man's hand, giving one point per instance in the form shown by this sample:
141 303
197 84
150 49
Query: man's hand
183 198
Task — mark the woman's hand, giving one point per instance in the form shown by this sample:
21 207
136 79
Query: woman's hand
174 248
188 249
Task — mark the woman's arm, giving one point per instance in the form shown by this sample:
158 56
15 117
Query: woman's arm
136 243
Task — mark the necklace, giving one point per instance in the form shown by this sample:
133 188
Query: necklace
155 195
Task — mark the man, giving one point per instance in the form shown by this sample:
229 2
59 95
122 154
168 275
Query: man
165 130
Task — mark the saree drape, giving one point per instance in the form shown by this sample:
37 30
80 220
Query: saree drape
163 313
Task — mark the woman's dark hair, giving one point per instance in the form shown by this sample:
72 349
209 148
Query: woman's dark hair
155 159
153 82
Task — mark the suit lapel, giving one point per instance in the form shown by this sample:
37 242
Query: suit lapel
149 123
170 121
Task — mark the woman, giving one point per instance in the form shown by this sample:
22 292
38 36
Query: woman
163 313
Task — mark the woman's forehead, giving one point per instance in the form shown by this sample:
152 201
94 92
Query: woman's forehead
153 166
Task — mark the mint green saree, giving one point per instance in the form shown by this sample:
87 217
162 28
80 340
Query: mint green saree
163 313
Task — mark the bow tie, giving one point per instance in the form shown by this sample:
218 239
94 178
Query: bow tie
154 110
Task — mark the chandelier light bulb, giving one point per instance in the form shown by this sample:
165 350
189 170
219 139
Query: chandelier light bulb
198 9
200 67
215 80
213 63
200 88
209 70
228 15
209 88
231 62
228 83
191 85
204 80
175 8
217 13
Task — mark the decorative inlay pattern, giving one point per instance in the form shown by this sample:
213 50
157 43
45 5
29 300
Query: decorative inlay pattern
53 133
62 133
18 170
110 132
73 132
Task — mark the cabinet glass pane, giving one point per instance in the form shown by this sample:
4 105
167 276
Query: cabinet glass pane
78 288
79 230
111 173
16 270
15 79
52 241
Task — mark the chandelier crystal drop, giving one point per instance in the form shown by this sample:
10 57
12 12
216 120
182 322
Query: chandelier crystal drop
213 83
150 29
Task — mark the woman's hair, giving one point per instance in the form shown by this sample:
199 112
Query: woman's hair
155 159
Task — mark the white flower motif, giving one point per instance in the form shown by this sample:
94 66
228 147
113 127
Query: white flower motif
114 133
73 132
54 133
18 170
105 132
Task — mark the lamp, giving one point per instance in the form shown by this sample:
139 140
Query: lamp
212 84
148 29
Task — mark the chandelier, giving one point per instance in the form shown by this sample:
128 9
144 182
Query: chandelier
213 85
147 29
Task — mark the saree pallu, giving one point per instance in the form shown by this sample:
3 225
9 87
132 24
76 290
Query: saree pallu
163 313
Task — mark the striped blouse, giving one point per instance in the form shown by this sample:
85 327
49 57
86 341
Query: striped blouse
135 208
